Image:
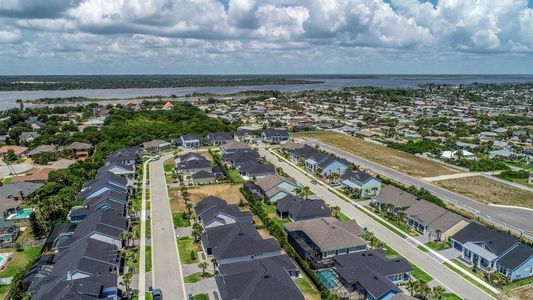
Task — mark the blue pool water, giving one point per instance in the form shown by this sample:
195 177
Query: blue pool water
327 276
24 214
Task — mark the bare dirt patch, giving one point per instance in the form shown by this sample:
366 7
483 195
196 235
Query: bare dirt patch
488 191
518 294
394 159
228 192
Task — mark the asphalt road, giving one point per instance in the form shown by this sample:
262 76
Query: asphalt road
166 266
515 217
446 277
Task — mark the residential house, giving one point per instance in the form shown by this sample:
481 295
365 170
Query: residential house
234 147
394 199
371 274
203 177
191 140
18 150
491 250
19 190
213 211
256 170
80 150
156 146
9 234
127 171
42 149
189 156
326 164
126 156
246 136
274 187
362 183
168 106
235 160
190 167
237 243
28 136
219 138
318 240
437 222
298 209
275 135
38 175
8 206
300 124
267 278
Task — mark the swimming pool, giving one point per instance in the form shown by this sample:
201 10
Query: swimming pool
327 276
21 215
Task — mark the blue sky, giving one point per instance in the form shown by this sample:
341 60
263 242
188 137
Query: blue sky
266 36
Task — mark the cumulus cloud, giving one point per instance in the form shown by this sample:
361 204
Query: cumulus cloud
331 30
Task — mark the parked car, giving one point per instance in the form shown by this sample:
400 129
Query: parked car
314 182
156 294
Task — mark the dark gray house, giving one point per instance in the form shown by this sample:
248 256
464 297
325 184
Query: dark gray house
297 209
219 138
213 211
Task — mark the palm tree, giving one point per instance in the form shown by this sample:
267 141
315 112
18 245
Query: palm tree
197 231
203 265
437 292
335 210
189 208
126 236
411 287
126 280
303 191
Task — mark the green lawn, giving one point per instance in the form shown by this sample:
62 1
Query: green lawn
7 180
200 297
195 277
517 284
391 253
450 296
306 287
20 260
168 167
467 277
185 246
419 274
438 246
180 220
148 261
3 290
342 217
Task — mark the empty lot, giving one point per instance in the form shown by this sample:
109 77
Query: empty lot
394 159
488 191
228 192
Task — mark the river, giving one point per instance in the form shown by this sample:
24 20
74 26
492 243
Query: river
8 98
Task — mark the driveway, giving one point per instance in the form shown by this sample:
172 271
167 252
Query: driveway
450 253
206 286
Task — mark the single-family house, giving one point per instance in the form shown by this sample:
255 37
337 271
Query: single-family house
9 234
237 243
18 190
191 140
274 187
126 156
371 274
246 136
18 150
213 211
318 240
326 164
234 147
298 209
492 250
393 199
42 149
219 138
362 183
156 146
437 222
275 135
28 136
190 167
80 150
266 278
256 170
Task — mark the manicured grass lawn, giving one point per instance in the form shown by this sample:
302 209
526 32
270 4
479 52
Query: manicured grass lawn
195 277
307 288
466 276
438 246
148 261
20 260
419 274
200 297
517 284
3 290
450 296
391 253
168 167
185 246
180 220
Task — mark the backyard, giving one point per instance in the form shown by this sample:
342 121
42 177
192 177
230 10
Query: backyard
488 191
398 160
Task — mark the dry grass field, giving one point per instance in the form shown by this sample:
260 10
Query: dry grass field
228 192
525 293
488 191
394 159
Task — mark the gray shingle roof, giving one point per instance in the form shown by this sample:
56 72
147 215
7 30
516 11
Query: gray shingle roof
393 195
299 208
497 241
516 257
